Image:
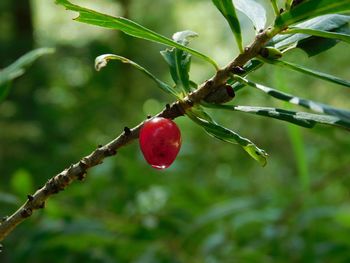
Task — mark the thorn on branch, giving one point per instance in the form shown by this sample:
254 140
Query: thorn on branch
149 116
99 146
127 131
167 106
4 218
281 10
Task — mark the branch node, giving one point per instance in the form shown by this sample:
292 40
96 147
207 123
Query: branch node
54 188
66 180
110 152
70 168
26 212
238 70
81 176
4 218
83 164
30 198
127 131
190 102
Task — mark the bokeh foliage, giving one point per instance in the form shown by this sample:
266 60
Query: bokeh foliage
214 204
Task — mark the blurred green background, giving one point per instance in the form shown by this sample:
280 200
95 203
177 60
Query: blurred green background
215 204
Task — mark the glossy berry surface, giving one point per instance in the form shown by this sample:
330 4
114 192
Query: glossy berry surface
160 142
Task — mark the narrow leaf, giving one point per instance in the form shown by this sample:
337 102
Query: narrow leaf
228 10
328 23
17 69
319 33
313 45
275 7
102 61
227 135
128 27
312 8
179 61
303 119
254 11
288 3
310 72
342 114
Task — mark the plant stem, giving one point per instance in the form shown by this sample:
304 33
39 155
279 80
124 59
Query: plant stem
78 170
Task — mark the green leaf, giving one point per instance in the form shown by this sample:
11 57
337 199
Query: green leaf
224 134
310 72
179 61
254 11
311 8
288 4
102 61
343 115
275 7
228 10
319 33
323 23
303 119
17 69
315 45
128 27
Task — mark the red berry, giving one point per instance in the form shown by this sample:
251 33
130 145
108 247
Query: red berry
160 142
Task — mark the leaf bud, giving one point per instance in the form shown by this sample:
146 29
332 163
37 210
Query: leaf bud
222 95
271 53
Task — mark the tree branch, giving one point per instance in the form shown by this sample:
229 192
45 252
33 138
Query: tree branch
79 170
